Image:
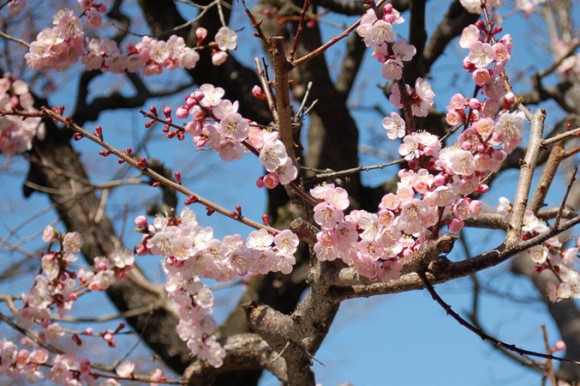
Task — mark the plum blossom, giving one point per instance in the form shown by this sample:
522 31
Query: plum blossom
273 154
419 144
17 133
394 125
58 47
470 35
226 39
481 54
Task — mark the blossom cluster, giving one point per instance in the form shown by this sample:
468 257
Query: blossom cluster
64 369
61 46
379 34
58 287
433 191
549 255
215 121
17 133
190 251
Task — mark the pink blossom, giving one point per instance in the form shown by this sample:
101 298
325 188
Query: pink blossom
469 36
392 69
481 54
287 172
226 39
273 154
394 125
234 126
218 58
327 215
270 180
211 95
422 99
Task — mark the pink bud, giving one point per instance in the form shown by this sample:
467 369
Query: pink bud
465 145
508 100
455 225
198 95
258 92
260 182
475 103
141 249
439 180
482 188
271 180
218 58
475 208
469 66
458 101
201 34
141 222
182 112
559 346
480 76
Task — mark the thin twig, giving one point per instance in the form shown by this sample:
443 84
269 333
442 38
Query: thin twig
256 25
481 334
16 40
356 170
565 198
267 90
298 31
549 367
47 113
561 137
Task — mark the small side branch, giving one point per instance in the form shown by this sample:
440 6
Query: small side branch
526 174
481 334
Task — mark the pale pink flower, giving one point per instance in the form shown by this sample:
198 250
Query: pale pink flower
123 258
234 126
273 155
327 215
212 95
411 218
48 234
226 39
404 50
457 161
422 99
538 253
287 172
469 36
390 271
392 69
394 125
509 130
72 242
286 241
188 58
218 58
481 54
